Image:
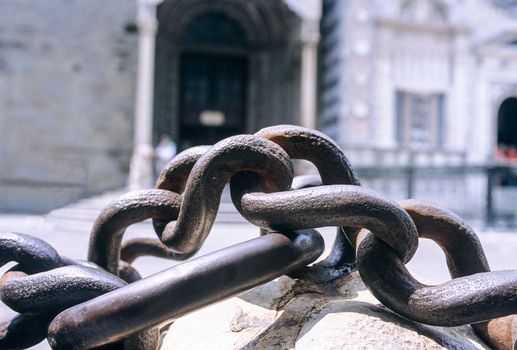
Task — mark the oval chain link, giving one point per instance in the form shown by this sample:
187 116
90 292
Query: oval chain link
183 207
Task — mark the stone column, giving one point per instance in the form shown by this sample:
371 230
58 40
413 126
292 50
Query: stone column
385 130
141 168
457 119
309 54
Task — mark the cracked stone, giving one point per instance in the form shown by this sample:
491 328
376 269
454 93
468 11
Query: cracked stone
289 314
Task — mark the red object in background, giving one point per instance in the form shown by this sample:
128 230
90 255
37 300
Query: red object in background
512 154
500 154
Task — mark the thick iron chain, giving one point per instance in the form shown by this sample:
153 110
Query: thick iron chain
43 284
260 172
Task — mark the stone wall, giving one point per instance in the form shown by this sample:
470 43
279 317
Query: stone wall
67 80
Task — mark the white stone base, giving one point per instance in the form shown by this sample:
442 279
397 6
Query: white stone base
288 314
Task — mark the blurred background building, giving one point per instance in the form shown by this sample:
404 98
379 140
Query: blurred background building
421 94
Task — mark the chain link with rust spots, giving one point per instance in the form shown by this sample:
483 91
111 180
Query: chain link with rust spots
374 234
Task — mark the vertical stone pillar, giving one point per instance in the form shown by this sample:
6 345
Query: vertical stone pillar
141 168
385 105
309 54
458 119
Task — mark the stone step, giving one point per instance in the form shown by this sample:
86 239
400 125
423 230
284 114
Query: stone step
80 216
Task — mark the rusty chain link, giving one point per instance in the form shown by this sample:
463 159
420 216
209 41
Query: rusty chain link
89 305
43 284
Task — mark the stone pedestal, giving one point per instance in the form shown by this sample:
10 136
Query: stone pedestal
288 314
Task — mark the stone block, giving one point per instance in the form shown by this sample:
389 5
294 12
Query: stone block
288 314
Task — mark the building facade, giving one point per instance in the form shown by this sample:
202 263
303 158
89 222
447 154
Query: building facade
87 88
67 86
229 67
418 81
425 84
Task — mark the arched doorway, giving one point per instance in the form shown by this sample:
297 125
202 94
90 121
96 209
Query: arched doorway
507 126
213 80
225 67
507 141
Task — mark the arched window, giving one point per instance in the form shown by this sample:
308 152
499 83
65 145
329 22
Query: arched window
438 13
408 10
424 11
214 28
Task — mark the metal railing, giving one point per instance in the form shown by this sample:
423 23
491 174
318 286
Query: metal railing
487 192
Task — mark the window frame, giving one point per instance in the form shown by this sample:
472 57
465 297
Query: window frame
405 113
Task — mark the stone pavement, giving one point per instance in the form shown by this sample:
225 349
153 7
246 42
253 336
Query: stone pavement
67 229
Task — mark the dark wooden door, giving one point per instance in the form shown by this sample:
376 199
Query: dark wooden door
212 98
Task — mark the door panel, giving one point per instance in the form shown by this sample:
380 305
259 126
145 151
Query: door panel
212 98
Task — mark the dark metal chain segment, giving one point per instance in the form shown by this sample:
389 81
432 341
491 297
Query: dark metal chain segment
183 288
473 295
91 305
43 284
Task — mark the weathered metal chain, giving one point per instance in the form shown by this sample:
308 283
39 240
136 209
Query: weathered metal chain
472 296
260 173
43 284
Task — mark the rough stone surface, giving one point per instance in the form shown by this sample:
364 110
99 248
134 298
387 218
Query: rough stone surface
288 314
67 82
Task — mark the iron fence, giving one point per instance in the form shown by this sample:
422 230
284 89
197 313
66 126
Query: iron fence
486 193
